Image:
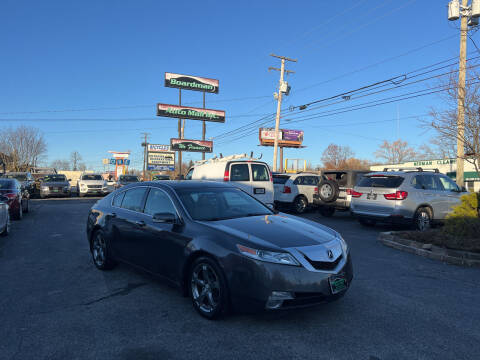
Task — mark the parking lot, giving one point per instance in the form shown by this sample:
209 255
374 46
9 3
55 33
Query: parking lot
56 305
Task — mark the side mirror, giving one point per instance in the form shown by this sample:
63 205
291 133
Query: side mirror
464 189
167 218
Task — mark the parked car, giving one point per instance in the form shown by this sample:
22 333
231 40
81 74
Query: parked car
250 175
18 198
89 184
25 178
417 197
4 216
126 180
160 177
335 191
295 191
220 245
54 185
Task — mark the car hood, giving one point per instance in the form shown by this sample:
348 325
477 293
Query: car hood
275 231
91 182
55 183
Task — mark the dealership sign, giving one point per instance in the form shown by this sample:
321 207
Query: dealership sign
286 138
187 112
191 145
161 167
161 158
188 82
157 148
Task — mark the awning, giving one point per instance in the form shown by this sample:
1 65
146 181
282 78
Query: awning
467 175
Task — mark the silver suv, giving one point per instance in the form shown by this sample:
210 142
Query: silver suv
418 197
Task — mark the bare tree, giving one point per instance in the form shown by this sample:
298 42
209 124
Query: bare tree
75 159
444 120
335 156
22 148
60 164
82 167
395 152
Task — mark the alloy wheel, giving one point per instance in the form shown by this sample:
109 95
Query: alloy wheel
326 190
300 205
423 221
205 286
99 250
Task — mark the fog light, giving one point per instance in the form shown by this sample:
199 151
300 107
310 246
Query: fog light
275 300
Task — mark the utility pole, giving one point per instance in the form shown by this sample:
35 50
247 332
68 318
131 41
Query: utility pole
145 147
180 133
468 17
282 87
204 126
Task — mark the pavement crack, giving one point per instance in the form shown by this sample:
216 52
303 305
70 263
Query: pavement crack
120 292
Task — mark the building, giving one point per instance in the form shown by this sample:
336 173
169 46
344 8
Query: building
445 166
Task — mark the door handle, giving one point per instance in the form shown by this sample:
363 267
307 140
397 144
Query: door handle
140 223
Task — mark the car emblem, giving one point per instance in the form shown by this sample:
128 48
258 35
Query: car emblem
330 254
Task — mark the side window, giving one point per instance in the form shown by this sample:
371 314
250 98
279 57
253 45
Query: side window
133 199
239 172
189 174
299 180
448 184
417 182
260 173
431 183
158 202
310 180
117 200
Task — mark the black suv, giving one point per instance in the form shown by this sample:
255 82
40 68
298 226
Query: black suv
335 192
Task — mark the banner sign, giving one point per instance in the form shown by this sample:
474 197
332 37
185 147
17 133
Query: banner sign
161 158
113 161
157 148
191 145
119 162
161 167
189 82
286 138
187 112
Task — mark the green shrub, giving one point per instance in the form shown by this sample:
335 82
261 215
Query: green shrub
464 221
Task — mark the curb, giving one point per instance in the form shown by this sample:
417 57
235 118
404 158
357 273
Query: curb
455 257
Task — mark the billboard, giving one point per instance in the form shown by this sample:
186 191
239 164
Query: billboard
286 137
191 145
157 148
161 167
188 82
161 158
192 113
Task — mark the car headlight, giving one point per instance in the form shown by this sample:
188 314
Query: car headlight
45 188
269 256
343 243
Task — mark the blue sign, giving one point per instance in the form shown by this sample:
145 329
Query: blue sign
127 162
112 161
161 167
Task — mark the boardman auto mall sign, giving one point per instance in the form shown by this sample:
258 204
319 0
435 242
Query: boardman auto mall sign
188 82
192 113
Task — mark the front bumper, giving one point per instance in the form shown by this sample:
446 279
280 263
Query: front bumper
52 193
252 283
96 191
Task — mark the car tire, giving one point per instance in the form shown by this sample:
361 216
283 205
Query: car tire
6 231
367 222
100 252
327 211
27 208
208 288
328 191
42 196
300 204
422 220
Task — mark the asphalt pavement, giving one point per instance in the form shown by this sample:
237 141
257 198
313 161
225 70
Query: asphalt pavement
54 304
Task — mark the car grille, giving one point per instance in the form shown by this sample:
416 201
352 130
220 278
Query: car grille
59 188
94 186
302 299
324 265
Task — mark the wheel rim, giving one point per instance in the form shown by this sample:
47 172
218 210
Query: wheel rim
205 288
301 205
423 221
326 190
99 250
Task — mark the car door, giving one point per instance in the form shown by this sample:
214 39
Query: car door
451 191
434 195
163 244
240 176
309 185
128 222
262 187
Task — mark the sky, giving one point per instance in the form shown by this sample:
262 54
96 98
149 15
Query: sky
88 74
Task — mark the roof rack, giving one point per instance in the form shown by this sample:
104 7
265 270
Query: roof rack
409 169
221 158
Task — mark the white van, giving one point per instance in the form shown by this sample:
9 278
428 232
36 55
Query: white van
250 175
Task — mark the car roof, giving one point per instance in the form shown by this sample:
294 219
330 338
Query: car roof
189 184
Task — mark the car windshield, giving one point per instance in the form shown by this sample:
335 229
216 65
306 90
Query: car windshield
132 178
212 204
19 177
54 178
92 177
6 184
381 181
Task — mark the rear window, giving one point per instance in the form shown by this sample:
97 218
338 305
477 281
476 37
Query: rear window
280 179
239 172
381 181
260 173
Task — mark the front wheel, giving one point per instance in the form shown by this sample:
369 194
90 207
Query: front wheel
27 208
208 288
300 205
19 214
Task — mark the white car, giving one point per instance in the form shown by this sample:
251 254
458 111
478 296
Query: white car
295 191
92 184
250 175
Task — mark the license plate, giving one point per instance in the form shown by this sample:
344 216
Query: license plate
55 190
337 284
371 196
259 191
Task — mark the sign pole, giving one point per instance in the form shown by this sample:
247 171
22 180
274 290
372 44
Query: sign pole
204 127
180 133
